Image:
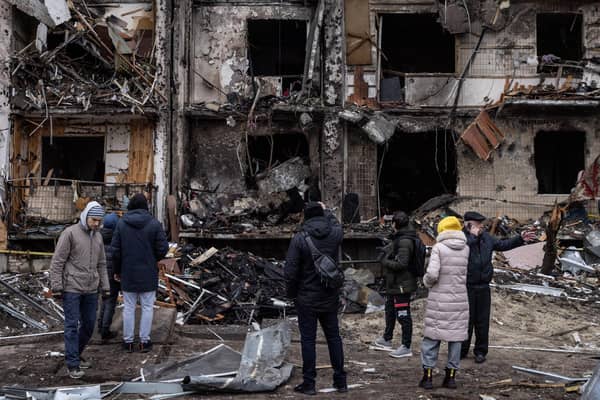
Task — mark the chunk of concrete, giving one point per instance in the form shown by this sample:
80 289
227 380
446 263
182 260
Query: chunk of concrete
285 176
526 257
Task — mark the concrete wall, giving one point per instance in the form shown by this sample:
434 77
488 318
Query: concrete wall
219 53
511 175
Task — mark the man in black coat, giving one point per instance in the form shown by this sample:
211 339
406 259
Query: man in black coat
479 275
314 301
139 242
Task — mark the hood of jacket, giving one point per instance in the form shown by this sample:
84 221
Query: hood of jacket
455 240
317 227
404 232
137 218
84 213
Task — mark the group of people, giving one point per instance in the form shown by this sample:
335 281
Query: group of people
104 255
458 277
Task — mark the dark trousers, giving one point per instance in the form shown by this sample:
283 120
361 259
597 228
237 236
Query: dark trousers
107 310
80 316
480 302
397 307
307 322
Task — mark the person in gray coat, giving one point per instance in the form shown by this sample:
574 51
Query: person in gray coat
447 309
77 274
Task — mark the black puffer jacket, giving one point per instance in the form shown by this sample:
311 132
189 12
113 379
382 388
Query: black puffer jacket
395 261
480 270
138 243
303 281
107 235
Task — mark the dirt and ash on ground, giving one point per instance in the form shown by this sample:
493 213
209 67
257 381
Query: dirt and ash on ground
518 319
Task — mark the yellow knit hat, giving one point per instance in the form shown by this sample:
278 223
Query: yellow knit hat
449 224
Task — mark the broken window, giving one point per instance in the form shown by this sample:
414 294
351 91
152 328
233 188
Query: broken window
559 156
412 43
414 168
272 150
277 48
79 158
559 39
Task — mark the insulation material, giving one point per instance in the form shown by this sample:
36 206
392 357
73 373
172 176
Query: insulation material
358 32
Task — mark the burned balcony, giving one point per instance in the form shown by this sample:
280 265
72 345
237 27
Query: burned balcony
96 57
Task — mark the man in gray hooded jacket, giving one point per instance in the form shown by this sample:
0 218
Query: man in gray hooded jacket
77 272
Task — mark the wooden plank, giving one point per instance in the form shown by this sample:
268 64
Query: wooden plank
172 214
204 256
358 32
141 152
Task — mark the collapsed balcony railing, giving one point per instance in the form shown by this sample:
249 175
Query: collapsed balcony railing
46 206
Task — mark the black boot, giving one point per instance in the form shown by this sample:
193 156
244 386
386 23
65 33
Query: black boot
305 388
449 381
427 381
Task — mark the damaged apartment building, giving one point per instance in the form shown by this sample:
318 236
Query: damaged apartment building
228 113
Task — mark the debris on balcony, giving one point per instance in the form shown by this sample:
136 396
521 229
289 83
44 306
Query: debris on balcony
86 57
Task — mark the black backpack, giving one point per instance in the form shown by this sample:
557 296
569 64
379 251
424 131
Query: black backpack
417 262
331 275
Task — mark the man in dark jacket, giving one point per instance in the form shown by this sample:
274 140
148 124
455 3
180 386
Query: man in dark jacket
479 275
315 302
107 311
400 283
139 242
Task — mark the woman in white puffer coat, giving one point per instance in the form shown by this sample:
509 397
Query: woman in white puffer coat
447 311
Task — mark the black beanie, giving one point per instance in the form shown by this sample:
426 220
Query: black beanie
312 209
138 202
400 219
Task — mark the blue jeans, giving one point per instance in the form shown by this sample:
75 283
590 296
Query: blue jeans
307 322
80 316
147 304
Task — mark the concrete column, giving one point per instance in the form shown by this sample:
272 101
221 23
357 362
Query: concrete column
6 33
334 89
162 129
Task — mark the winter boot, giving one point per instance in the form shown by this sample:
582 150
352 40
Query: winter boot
449 381
427 381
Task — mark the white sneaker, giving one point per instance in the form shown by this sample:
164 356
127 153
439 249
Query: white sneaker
381 342
400 352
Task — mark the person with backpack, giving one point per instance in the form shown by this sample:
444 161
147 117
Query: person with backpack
313 281
398 262
447 309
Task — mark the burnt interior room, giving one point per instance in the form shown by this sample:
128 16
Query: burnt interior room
414 168
561 35
413 43
559 156
276 47
79 158
272 150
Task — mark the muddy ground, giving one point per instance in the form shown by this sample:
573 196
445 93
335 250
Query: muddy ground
518 320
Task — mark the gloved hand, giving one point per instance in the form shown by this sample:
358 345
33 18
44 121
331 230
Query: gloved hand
57 295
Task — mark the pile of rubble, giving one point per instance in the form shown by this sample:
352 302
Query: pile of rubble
234 287
226 286
87 56
23 307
